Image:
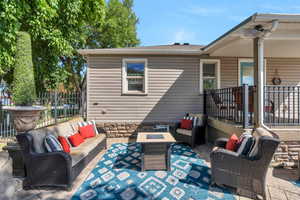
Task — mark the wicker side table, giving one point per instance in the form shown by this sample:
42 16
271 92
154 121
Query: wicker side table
155 152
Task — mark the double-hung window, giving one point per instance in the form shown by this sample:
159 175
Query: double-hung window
209 74
134 76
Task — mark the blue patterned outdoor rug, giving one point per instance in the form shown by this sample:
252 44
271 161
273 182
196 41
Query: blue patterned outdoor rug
118 176
297 183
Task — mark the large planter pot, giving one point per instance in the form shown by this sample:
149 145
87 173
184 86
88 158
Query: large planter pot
25 117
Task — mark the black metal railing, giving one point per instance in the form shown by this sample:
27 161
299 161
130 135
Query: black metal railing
229 104
282 105
60 106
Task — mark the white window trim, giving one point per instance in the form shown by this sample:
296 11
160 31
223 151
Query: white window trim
218 66
124 76
250 60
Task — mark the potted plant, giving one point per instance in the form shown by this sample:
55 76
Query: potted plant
25 115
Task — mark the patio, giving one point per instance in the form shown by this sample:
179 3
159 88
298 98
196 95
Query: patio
279 185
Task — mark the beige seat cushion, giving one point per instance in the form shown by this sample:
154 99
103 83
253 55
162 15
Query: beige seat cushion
62 129
78 153
196 115
184 132
261 132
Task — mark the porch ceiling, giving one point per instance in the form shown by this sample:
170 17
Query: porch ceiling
283 42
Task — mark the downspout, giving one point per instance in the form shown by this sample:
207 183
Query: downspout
261 70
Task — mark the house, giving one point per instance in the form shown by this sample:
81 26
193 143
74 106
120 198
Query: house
137 87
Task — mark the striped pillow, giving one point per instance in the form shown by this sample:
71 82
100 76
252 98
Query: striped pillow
251 146
52 144
194 119
92 122
241 138
247 145
254 149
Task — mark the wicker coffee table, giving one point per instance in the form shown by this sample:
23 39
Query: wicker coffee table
155 150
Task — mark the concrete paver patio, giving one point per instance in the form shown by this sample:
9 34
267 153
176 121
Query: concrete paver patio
279 185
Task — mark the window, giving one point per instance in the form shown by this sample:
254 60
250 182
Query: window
134 76
246 71
209 74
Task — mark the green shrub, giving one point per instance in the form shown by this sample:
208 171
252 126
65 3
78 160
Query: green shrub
23 87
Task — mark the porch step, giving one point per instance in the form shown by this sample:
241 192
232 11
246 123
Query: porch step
287 152
288 134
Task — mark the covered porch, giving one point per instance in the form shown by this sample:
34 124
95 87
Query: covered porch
266 88
236 105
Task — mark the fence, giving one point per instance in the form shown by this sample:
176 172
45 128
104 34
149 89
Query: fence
59 107
229 104
285 104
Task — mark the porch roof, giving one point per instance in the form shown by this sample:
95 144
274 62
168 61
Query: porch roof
283 42
147 50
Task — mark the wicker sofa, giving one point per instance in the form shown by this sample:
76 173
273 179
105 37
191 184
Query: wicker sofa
241 172
46 170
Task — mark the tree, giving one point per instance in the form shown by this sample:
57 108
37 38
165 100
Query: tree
64 33
23 84
58 28
119 29
8 29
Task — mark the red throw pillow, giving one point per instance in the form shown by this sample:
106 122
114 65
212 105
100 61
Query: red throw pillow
232 143
76 139
186 124
64 143
87 131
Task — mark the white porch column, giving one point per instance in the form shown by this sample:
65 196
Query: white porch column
258 81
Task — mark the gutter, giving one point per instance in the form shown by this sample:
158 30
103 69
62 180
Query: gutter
265 33
133 51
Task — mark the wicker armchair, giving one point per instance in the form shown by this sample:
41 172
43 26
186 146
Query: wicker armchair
186 136
194 136
241 172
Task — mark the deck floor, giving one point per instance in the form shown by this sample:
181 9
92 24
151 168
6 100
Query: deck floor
278 186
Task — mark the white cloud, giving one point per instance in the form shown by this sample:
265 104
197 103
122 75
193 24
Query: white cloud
202 11
183 35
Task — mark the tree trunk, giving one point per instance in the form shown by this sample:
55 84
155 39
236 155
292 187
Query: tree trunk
73 79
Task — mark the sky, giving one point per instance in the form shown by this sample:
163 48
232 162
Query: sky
199 21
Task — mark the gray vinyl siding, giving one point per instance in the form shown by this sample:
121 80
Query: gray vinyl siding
173 86
229 72
287 103
173 90
288 70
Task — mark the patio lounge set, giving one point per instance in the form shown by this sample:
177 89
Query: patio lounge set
56 169
47 170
